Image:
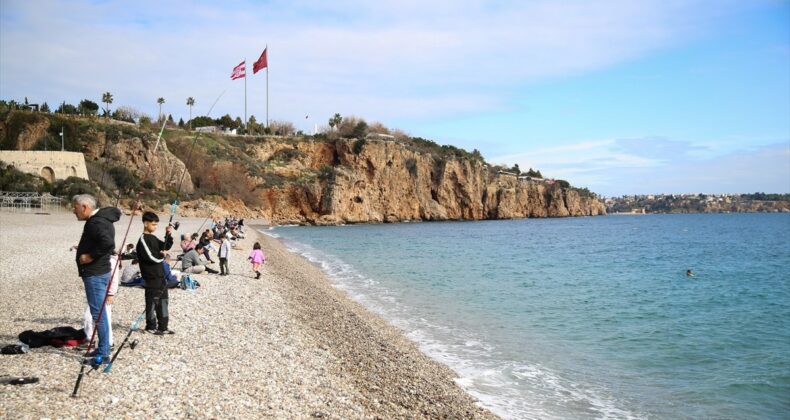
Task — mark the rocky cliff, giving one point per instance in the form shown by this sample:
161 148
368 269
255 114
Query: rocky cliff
306 180
353 181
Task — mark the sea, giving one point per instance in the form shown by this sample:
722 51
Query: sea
577 318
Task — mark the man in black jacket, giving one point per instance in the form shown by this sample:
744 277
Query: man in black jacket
151 254
93 260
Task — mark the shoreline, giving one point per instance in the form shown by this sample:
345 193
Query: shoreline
287 345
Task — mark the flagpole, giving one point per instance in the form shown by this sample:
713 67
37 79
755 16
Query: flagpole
245 95
267 85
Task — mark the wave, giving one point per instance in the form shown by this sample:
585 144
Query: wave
508 388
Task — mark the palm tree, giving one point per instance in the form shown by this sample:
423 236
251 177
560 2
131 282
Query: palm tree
335 121
107 99
160 101
190 103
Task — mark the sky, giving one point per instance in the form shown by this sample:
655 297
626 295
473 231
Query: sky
620 96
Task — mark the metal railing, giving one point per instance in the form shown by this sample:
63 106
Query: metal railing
27 202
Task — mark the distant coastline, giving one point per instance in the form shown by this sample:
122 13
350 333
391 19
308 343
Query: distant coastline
698 203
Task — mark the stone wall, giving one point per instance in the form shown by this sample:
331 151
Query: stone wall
49 165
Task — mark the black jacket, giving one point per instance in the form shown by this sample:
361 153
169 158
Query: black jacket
98 240
149 254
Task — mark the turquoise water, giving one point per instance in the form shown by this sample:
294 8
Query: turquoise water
584 317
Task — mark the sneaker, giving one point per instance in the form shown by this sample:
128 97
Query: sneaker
164 332
96 361
150 330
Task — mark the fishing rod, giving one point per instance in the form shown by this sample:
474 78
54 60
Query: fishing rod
164 288
207 217
98 359
135 325
189 159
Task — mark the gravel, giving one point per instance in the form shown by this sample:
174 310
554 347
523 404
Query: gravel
286 346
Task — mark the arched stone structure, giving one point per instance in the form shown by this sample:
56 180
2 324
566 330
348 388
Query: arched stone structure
50 165
48 174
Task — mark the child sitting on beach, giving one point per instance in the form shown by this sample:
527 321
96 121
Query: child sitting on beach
257 258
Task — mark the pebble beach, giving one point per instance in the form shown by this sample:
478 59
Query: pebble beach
288 345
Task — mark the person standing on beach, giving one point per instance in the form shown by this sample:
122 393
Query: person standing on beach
224 254
257 259
87 319
151 256
93 261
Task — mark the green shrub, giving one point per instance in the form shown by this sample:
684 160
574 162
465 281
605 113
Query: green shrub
271 179
359 145
287 155
12 179
16 122
72 186
326 173
411 166
360 129
124 179
563 183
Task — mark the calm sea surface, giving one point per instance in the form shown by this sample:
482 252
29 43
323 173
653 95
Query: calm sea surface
584 317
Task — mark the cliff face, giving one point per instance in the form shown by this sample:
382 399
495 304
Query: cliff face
306 180
384 181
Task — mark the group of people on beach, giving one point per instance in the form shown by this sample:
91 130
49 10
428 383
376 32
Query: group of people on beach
97 262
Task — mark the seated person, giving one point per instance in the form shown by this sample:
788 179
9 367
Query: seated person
193 263
131 275
206 239
189 243
130 253
171 276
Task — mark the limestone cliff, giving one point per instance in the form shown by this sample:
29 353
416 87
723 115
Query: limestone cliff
162 167
352 181
306 180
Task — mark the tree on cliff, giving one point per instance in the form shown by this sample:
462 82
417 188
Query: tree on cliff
227 121
335 121
253 127
45 107
515 169
107 99
65 108
160 101
190 104
88 107
533 173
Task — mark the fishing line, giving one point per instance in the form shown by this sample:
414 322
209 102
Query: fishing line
103 306
126 234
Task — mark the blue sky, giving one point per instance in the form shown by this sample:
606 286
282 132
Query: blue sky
623 97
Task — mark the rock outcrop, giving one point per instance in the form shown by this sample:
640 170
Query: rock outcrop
385 181
166 170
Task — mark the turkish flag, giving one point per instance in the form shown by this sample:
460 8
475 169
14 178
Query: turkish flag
262 62
239 71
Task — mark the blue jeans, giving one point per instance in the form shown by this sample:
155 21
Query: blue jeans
95 288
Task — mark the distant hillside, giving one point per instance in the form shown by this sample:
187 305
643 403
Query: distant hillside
302 179
700 203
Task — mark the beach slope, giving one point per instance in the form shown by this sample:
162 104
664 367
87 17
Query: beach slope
286 346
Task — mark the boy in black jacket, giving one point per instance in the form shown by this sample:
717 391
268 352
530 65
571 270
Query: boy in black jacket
151 254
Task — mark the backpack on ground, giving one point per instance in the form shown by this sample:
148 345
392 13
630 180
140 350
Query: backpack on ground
189 283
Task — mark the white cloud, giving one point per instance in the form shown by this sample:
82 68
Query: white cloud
392 59
605 168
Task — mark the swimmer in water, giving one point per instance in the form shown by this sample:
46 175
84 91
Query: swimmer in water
689 273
